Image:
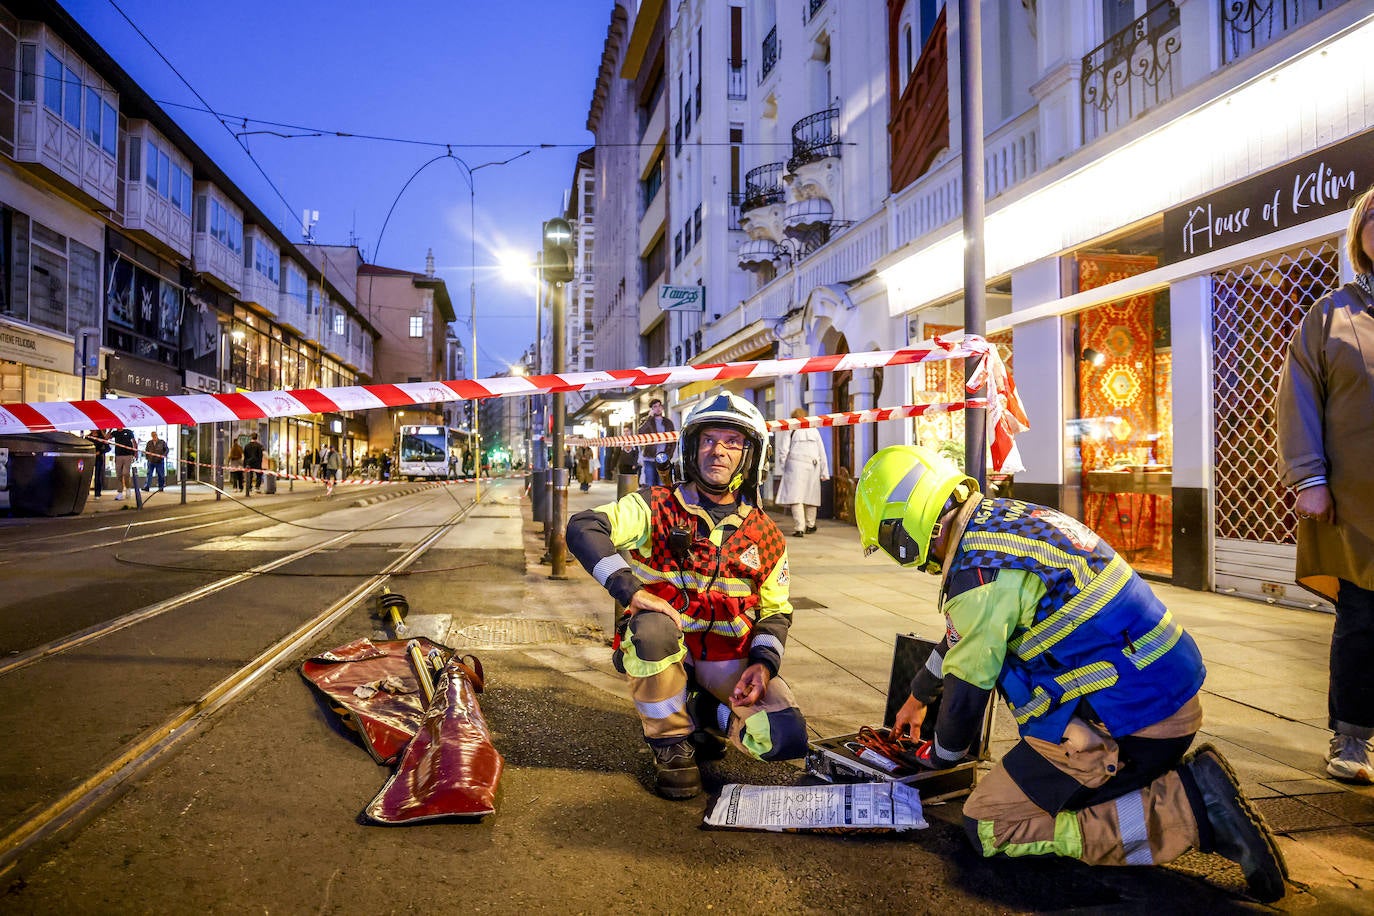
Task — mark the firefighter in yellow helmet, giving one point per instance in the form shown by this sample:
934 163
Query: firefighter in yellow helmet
706 595
1101 680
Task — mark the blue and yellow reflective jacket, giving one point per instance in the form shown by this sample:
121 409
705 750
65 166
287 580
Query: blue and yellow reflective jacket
1099 635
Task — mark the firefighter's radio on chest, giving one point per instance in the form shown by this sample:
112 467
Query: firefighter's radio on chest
858 757
680 544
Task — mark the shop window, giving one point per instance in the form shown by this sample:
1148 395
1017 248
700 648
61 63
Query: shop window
1122 441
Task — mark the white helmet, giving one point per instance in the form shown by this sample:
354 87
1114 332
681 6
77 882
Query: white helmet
734 412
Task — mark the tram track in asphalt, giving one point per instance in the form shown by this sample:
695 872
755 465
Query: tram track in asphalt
114 625
76 796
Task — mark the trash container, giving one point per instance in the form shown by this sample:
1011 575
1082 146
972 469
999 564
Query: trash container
47 473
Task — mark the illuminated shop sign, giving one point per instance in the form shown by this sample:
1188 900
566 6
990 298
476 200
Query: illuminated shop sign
1317 185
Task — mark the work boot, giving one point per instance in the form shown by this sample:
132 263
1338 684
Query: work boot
1348 759
676 773
1238 831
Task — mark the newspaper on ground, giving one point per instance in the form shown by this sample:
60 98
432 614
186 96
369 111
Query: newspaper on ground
847 808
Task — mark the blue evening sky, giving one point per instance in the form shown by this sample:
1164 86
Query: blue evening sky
514 74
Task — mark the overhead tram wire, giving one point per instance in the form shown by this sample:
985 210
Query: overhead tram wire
290 208
330 133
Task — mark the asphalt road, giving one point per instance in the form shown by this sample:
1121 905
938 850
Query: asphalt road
261 811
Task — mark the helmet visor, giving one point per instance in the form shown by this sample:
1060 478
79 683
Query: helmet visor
893 538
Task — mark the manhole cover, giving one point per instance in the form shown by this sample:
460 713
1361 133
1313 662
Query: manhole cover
510 633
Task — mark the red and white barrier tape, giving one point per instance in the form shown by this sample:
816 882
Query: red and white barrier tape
1005 413
849 418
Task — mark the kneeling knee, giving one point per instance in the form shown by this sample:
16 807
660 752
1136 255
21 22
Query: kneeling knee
655 636
786 736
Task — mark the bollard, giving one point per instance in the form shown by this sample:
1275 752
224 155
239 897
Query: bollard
539 496
558 517
625 484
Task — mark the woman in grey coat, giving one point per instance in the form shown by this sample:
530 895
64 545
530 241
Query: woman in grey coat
801 456
1326 428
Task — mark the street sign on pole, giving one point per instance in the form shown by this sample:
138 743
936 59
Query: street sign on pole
86 355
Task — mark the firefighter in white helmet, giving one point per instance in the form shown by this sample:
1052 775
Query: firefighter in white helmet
1101 680
706 596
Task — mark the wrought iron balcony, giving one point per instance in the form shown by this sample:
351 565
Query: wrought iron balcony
770 53
737 85
815 137
762 186
1250 24
799 244
736 203
1131 72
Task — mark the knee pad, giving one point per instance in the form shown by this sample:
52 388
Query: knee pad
654 635
786 737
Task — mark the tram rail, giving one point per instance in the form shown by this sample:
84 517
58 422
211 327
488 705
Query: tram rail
154 745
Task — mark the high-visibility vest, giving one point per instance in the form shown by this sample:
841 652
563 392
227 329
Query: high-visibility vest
1099 636
721 584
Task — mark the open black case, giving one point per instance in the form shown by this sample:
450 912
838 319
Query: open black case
830 760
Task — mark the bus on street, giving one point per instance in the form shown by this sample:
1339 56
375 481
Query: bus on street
430 452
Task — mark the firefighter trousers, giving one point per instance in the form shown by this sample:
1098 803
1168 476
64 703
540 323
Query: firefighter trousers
1091 797
656 665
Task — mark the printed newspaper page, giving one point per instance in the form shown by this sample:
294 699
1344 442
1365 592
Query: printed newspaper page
835 808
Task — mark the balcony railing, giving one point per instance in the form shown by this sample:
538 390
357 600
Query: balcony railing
736 84
770 53
814 137
763 186
1131 72
1250 24
812 8
736 202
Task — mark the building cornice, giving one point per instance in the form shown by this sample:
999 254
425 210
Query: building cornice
615 34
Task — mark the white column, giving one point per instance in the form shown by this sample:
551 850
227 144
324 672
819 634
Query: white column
1064 33
1044 378
865 434
1190 316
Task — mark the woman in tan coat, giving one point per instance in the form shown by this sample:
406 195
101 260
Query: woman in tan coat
1326 441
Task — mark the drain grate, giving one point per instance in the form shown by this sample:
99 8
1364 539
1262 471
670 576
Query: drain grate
513 632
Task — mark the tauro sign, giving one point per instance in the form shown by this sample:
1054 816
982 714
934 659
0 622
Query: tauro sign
681 298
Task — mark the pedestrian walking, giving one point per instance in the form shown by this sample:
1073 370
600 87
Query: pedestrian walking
100 440
155 451
235 464
125 445
651 454
1102 682
252 464
801 456
584 467
1326 428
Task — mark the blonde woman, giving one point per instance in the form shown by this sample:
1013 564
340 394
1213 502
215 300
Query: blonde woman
1325 431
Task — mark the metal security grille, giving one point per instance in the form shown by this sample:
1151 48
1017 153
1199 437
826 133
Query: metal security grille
1255 309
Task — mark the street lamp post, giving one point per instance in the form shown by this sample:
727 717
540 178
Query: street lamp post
469 173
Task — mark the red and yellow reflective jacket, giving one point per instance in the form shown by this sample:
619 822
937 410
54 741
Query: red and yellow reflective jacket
728 580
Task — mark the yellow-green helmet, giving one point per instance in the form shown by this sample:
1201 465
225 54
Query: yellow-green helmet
900 497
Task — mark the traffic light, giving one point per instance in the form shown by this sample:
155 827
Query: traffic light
558 251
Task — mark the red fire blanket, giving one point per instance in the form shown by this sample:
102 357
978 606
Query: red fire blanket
387 718
450 768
